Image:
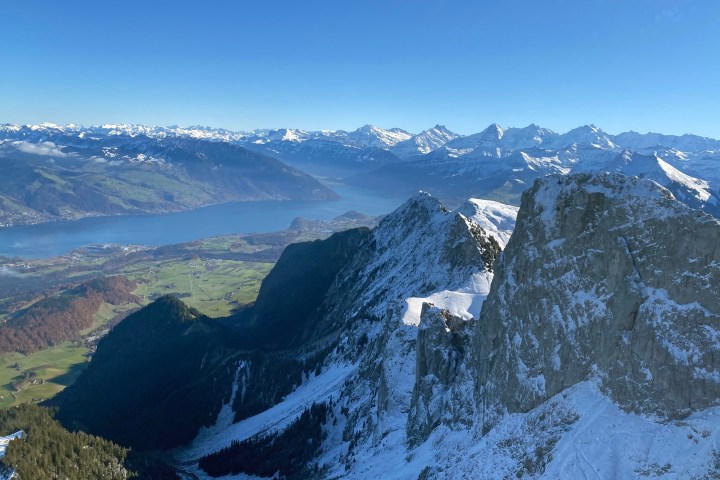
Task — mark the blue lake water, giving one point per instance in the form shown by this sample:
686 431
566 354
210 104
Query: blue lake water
52 239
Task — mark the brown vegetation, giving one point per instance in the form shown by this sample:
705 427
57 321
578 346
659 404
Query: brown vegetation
59 318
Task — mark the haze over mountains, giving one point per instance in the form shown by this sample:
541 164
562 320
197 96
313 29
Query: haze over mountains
48 173
118 169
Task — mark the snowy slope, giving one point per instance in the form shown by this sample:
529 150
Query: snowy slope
495 218
420 250
656 169
6 473
314 390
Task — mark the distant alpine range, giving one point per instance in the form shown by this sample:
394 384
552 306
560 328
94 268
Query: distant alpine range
50 172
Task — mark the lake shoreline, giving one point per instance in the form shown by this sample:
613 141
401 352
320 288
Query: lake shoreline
57 238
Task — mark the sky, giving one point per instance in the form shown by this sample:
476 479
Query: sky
643 65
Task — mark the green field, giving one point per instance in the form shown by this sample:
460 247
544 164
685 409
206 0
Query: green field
214 287
58 367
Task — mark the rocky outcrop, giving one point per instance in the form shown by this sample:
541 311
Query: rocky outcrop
443 379
418 250
605 276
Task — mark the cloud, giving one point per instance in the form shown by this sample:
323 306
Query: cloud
48 149
6 271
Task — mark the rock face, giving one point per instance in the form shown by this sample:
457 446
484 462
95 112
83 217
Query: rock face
439 356
419 250
443 380
604 276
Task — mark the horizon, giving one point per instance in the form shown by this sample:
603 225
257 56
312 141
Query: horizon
643 66
412 132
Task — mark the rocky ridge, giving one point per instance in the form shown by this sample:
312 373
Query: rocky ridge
604 300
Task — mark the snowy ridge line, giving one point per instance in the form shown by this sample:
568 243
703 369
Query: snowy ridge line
400 141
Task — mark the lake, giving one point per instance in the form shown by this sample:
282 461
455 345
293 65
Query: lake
56 238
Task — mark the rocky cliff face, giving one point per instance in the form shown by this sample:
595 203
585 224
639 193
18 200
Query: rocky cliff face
443 376
604 276
570 354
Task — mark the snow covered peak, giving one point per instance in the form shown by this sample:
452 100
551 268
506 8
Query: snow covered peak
373 136
606 276
424 142
493 131
48 126
488 140
280 135
585 135
528 137
498 219
418 249
690 190
420 201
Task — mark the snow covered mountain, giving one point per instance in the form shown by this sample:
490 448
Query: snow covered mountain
51 173
372 136
576 352
500 163
585 135
574 337
690 190
47 131
497 163
684 143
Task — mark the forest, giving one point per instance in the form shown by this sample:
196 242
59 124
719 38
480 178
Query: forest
49 451
285 454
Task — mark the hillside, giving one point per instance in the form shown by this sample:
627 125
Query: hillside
50 174
178 364
57 318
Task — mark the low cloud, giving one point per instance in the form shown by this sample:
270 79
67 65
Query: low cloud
6 271
48 149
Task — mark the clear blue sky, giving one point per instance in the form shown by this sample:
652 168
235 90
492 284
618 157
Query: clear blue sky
620 64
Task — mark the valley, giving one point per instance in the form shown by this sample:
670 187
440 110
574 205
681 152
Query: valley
216 275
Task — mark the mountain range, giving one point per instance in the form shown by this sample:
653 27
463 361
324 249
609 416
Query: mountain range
50 174
574 336
497 163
